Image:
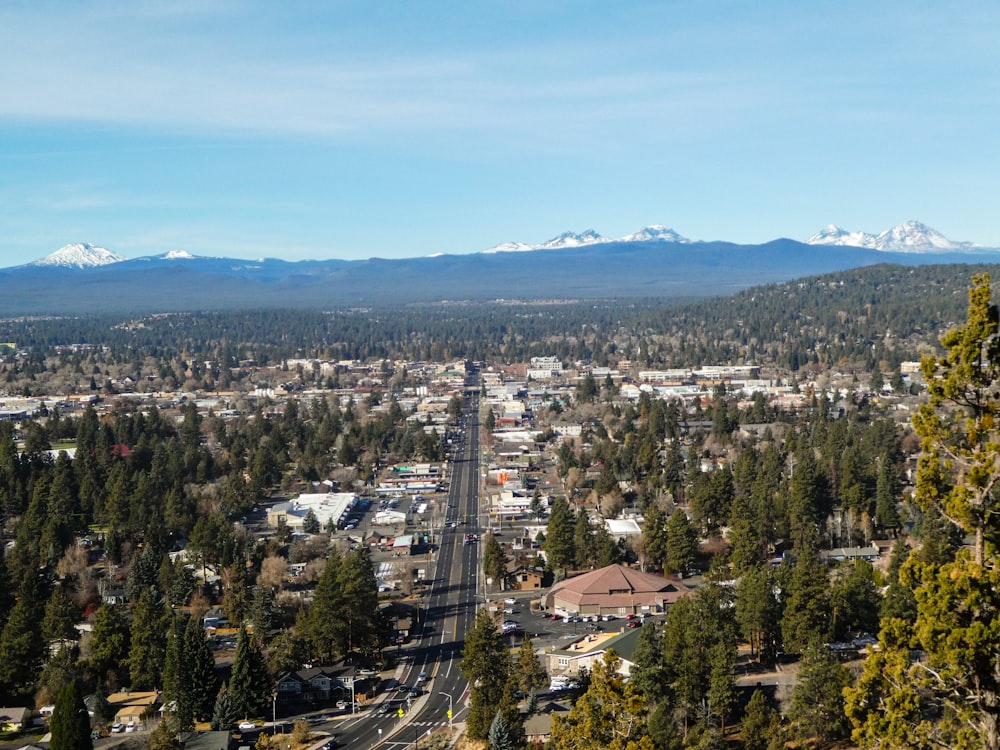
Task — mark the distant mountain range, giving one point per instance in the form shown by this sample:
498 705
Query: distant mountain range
908 237
653 262
590 237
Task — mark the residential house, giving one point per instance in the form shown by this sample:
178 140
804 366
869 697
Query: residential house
115 596
132 705
523 578
538 726
14 719
321 684
588 651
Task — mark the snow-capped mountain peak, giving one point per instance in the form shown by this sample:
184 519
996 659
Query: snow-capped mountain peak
916 236
908 237
572 239
655 232
177 255
80 255
831 234
509 247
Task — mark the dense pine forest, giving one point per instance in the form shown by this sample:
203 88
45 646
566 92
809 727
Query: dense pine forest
857 318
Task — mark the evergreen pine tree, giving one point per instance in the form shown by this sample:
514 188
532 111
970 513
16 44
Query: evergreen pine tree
760 723
682 544
21 645
886 490
60 617
654 536
224 713
494 560
147 651
817 709
176 677
807 602
500 736
529 674
109 645
648 673
486 664
559 535
363 627
202 681
249 684
261 611
327 608
70 724
165 736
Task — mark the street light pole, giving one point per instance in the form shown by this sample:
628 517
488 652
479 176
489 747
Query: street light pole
274 712
450 714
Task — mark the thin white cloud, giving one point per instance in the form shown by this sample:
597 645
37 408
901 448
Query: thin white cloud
138 71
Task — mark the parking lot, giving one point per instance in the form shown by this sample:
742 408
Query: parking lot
549 630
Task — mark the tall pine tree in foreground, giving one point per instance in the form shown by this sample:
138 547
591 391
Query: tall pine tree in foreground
486 664
950 695
70 723
202 682
249 684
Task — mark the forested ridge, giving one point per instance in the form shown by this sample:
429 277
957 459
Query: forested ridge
866 315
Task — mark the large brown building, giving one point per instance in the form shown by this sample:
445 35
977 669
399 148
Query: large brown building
615 590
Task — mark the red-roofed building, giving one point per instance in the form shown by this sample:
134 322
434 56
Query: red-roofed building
615 590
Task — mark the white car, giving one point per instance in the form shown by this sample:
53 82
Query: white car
422 677
130 727
247 726
117 727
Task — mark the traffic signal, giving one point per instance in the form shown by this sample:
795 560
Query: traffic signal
449 713
400 713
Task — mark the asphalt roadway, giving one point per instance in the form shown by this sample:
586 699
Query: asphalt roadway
451 609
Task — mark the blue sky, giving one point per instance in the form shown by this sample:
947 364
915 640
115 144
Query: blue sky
391 129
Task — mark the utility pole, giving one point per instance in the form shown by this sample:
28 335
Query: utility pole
448 696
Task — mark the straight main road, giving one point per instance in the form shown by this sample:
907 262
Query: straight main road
451 609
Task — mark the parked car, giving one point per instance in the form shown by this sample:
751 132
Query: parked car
422 677
130 727
247 726
117 727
